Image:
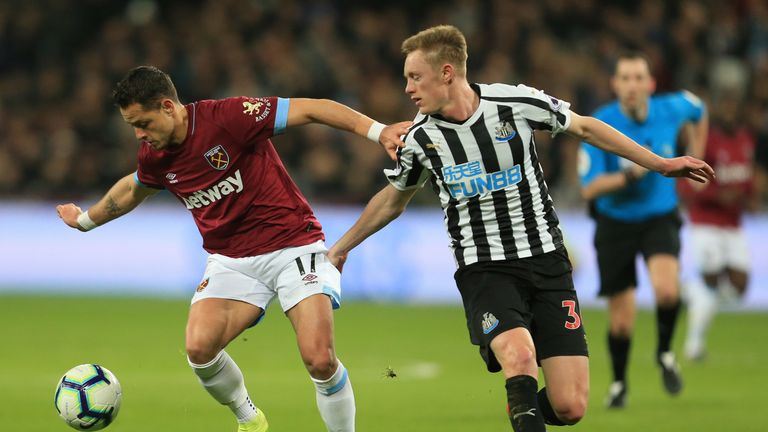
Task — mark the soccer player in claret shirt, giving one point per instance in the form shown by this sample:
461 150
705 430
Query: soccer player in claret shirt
264 241
715 211
636 212
475 144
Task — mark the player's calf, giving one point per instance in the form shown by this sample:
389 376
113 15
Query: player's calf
336 400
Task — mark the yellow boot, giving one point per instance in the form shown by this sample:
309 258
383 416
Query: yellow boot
258 424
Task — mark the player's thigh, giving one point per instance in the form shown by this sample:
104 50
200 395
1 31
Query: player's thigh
214 322
661 248
312 320
617 245
227 301
736 250
516 353
708 249
495 300
557 327
309 288
304 276
661 235
567 379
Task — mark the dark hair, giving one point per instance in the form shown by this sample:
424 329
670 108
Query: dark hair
632 54
145 85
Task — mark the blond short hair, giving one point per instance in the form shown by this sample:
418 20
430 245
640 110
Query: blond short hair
440 44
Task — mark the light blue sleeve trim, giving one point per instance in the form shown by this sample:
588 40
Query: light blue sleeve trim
281 116
691 106
136 179
138 182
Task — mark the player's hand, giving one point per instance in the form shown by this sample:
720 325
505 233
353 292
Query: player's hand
390 137
697 186
337 259
688 167
69 213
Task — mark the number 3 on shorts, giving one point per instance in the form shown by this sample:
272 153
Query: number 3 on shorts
576 323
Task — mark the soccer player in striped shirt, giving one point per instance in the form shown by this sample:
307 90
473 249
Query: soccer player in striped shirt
264 241
474 143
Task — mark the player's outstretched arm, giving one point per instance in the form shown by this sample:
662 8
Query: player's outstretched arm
603 136
123 197
302 111
382 209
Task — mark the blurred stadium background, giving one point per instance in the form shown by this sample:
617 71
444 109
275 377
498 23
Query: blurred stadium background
61 140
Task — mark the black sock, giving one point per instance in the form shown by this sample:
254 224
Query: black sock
618 346
666 319
523 409
547 411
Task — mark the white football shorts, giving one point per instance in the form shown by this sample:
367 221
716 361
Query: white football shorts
717 248
292 274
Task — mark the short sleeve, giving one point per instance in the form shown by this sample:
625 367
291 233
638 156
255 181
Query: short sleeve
252 119
688 105
544 112
144 175
409 172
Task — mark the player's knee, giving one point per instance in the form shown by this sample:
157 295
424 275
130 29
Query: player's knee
321 364
622 328
572 412
516 359
667 295
667 299
570 406
201 353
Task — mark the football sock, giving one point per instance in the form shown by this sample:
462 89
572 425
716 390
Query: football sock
618 346
224 381
666 318
336 401
702 307
522 406
547 411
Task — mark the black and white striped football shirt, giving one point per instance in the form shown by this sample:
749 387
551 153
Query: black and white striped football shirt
487 174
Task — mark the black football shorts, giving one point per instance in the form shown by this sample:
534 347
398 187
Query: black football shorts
535 293
618 243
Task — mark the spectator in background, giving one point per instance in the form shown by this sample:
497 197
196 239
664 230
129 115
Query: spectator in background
715 211
636 213
49 49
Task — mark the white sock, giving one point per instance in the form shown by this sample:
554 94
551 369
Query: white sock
729 296
224 381
336 401
702 307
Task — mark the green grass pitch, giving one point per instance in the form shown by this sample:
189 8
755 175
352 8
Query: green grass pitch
441 383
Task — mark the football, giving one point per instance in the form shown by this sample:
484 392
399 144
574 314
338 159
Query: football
88 397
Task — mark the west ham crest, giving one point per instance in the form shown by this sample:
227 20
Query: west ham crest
217 157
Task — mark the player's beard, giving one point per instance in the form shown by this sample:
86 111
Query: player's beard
166 142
